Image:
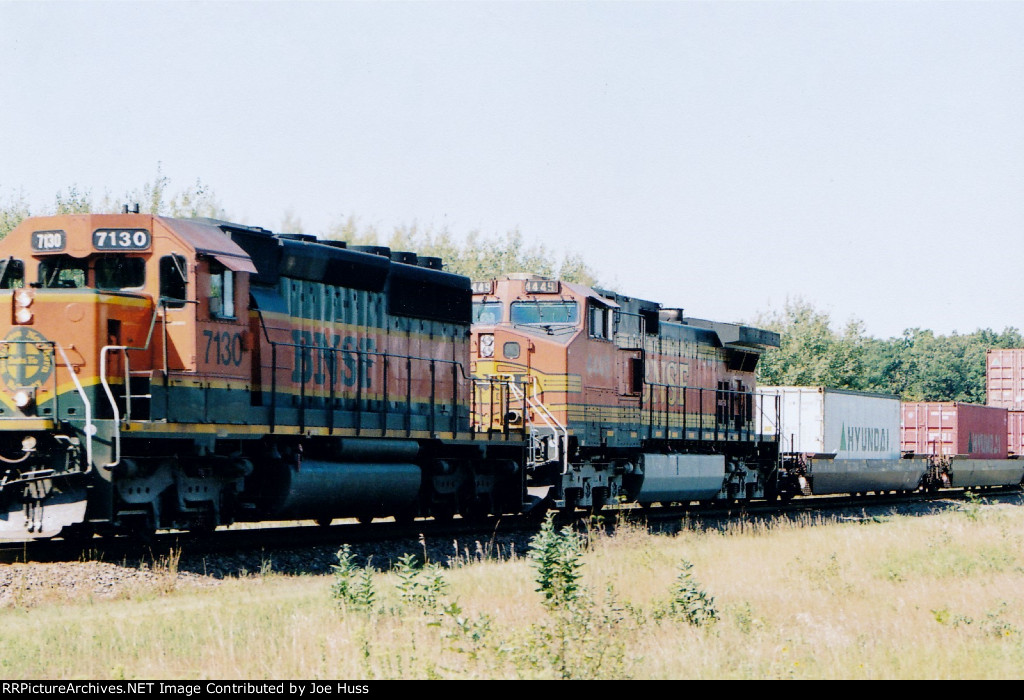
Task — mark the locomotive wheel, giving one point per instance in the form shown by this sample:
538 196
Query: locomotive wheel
538 508
406 516
141 533
202 527
572 499
476 512
78 534
443 512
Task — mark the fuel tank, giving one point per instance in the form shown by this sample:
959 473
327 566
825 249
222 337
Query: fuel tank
321 489
677 477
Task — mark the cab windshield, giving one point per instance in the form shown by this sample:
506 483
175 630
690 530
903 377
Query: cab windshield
119 272
545 313
487 313
63 271
109 272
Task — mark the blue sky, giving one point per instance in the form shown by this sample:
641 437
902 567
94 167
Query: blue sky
723 157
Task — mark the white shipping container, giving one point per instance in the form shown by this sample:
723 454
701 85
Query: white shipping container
847 424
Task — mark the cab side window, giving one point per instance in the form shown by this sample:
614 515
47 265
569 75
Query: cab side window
173 281
602 322
222 291
12 274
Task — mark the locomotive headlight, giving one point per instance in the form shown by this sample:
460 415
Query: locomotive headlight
22 301
23 397
487 345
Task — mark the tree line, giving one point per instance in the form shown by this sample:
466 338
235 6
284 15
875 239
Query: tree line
919 365
477 255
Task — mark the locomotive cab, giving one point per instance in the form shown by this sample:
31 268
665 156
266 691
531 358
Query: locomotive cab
101 311
123 297
525 329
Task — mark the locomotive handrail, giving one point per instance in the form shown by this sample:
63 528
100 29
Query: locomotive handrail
90 428
105 383
361 355
458 371
552 422
745 413
490 382
113 402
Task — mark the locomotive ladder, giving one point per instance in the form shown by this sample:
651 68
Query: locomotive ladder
549 419
128 396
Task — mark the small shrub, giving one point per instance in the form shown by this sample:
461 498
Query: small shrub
556 555
353 585
690 602
972 505
420 587
467 636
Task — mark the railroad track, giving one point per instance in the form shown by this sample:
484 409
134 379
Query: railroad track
253 546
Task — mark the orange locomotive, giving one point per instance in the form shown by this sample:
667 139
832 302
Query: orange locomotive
626 400
159 372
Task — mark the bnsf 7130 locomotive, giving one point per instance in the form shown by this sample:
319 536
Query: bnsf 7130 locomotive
160 372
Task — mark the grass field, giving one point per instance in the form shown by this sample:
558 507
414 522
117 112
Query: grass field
930 596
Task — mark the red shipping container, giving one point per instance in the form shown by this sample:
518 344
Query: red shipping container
1015 432
1004 371
931 428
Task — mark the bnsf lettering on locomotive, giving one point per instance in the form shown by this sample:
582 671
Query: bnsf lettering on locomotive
317 359
671 372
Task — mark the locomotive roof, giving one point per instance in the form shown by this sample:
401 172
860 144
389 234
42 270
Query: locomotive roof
207 239
729 334
735 335
200 236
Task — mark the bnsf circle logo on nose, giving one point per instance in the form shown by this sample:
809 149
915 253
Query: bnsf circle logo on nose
26 358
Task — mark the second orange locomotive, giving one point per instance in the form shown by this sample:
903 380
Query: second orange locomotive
626 399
